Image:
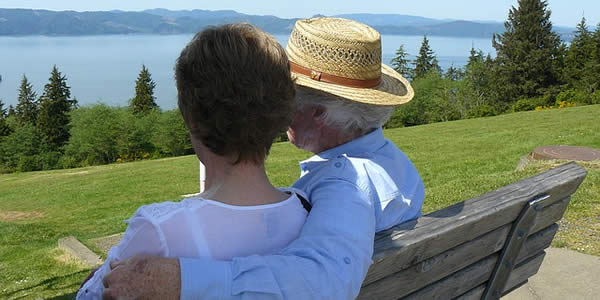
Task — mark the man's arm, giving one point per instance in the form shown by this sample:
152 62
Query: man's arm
329 260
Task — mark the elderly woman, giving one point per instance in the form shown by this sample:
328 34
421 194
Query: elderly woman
358 182
236 95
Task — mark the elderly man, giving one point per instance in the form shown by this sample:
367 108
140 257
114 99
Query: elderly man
358 182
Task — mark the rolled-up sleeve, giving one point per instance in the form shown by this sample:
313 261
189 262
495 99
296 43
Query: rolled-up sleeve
329 260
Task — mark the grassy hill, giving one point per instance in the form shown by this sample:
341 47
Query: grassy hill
457 160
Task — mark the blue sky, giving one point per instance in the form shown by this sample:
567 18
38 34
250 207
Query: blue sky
564 12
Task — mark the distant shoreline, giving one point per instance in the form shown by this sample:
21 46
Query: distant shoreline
30 22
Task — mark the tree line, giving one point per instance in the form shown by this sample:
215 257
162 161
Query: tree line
52 132
533 69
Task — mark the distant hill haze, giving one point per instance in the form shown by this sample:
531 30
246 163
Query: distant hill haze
19 22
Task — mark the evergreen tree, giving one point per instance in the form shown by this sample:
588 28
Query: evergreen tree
591 74
453 73
144 98
4 128
475 56
426 60
578 55
11 111
27 107
55 105
401 63
528 53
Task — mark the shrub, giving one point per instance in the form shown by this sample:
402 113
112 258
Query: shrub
49 160
579 97
531 103
24 141
94 131
483 110
29 163
67 161
171 137
282 137
135 133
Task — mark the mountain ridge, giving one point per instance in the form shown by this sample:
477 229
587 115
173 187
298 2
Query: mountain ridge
22 22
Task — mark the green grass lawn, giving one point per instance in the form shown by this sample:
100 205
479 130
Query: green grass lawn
457 160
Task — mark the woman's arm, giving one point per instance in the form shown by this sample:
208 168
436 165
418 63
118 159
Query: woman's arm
141 237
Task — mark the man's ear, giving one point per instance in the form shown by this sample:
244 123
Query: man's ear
318 115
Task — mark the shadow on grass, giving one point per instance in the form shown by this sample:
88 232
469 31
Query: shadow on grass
53 283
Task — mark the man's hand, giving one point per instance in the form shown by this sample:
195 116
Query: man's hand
143 277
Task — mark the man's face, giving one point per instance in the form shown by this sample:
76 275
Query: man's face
302 130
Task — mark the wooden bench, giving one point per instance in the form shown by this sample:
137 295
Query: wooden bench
480 248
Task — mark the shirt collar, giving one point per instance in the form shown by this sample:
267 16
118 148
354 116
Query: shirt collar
367 143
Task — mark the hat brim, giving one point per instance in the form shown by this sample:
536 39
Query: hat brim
394 89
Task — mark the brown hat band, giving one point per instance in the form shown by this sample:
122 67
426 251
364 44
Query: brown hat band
328 78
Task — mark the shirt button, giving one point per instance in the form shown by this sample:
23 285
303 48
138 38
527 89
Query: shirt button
347 260
338 164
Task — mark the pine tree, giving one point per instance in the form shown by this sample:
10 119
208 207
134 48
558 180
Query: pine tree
144 93
4 128
400 63
475 56
578 55
426 60
11 111
453 73
528 53
54 107
590 80
27 106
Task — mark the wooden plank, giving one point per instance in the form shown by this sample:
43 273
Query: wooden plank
524 270
410 243
459 282
435 268
537 242
474 294
517 278
550 215
442 265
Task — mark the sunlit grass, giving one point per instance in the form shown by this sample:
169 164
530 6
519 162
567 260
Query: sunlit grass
457 160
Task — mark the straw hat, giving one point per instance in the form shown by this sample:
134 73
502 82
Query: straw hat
343 57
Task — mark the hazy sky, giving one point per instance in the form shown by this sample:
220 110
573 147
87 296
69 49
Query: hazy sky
564 12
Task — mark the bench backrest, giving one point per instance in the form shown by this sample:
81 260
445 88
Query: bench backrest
477 249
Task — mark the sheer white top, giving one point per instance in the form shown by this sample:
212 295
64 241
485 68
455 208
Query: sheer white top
197 227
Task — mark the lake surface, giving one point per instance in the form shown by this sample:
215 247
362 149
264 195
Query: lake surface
104 68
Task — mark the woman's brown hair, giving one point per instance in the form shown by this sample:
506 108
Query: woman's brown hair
235 90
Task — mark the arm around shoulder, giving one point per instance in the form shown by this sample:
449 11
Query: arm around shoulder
329 260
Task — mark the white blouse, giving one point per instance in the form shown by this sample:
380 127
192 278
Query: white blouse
197 227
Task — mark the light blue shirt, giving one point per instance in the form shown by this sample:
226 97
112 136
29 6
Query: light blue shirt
357 188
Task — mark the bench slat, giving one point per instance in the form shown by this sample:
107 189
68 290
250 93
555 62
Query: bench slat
519 276
430 235
464 280
550 214
457 283
440 266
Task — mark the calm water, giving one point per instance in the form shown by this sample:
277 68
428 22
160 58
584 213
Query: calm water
104 68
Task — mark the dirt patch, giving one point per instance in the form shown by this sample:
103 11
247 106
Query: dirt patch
15 215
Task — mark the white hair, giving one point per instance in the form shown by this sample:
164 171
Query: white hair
350 117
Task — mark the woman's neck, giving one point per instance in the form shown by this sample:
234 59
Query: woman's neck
242 184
